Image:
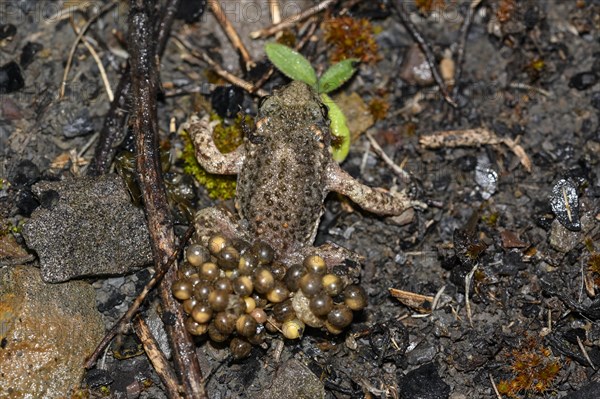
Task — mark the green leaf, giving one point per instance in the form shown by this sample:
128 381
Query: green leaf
337 75
339 129
291 63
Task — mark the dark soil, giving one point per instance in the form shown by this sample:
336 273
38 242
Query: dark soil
528 320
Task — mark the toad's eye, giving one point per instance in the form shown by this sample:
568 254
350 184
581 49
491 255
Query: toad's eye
262 100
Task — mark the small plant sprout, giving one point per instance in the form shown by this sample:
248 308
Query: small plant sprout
296 67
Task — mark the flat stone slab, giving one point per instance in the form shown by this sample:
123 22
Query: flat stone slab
47 331
87 227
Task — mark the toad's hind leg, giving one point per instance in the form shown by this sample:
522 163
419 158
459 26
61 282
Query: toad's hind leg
217 220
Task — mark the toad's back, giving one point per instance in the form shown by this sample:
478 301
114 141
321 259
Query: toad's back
281 186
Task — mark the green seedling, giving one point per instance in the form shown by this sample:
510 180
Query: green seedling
296 67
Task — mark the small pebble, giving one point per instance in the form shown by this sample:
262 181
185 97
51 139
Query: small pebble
11 78
583 80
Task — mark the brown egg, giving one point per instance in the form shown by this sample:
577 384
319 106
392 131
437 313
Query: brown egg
196 254
292 329
284 311
355 297
223 284
259 315
278 270
260 301
332 284
202 313
243 286
218 300
260 336
182 289
321 304
263 251
311 284
272 325
225 322
278 293
292 277
340 316
215 335
246 325
247 264
250 304
229 258
202 291
189 304
216 244
209 271
333 330
263 280
315 264
194 327
240 348
236 305
194 279
241 245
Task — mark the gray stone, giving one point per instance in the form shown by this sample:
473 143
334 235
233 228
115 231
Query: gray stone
294 381
87 227
563 240
47 331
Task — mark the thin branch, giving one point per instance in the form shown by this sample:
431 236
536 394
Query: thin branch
460 51
121 325
293 20
144 89
426 49
157 358
82 32
114 122
404 176
231 33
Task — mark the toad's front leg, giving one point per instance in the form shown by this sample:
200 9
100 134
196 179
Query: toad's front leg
214 221
370 199
207 153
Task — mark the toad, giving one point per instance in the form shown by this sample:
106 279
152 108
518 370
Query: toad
285 170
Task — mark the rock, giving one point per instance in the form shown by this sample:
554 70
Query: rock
47 331
28 53
423 383
583 80
87 227
294 380
11 78
589 391
415 69
563 239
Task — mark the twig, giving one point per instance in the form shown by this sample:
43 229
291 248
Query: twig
460 51
144 88
231 33
524 86
157 358
404 176
94 54
494 387
231 78
585 353
426 49
293 20
474 138
468 279
82 32
120 325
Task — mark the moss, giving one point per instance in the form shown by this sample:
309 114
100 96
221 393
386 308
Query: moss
351 38
378 107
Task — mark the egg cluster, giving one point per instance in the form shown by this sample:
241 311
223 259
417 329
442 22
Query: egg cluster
239 290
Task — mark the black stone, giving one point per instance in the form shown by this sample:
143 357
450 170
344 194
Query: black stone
423 383
583 80
8 30
28 53
190 10
227 101
114 299
24 174
596 100
80 125
11 78
97 378
590 391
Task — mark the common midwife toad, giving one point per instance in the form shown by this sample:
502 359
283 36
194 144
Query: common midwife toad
285 171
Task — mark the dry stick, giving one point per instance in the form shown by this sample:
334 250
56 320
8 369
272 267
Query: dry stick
231 33
82 32
293 20
144 89
231 78
460 52
404 176
426 49
121 325
157 358
116 117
